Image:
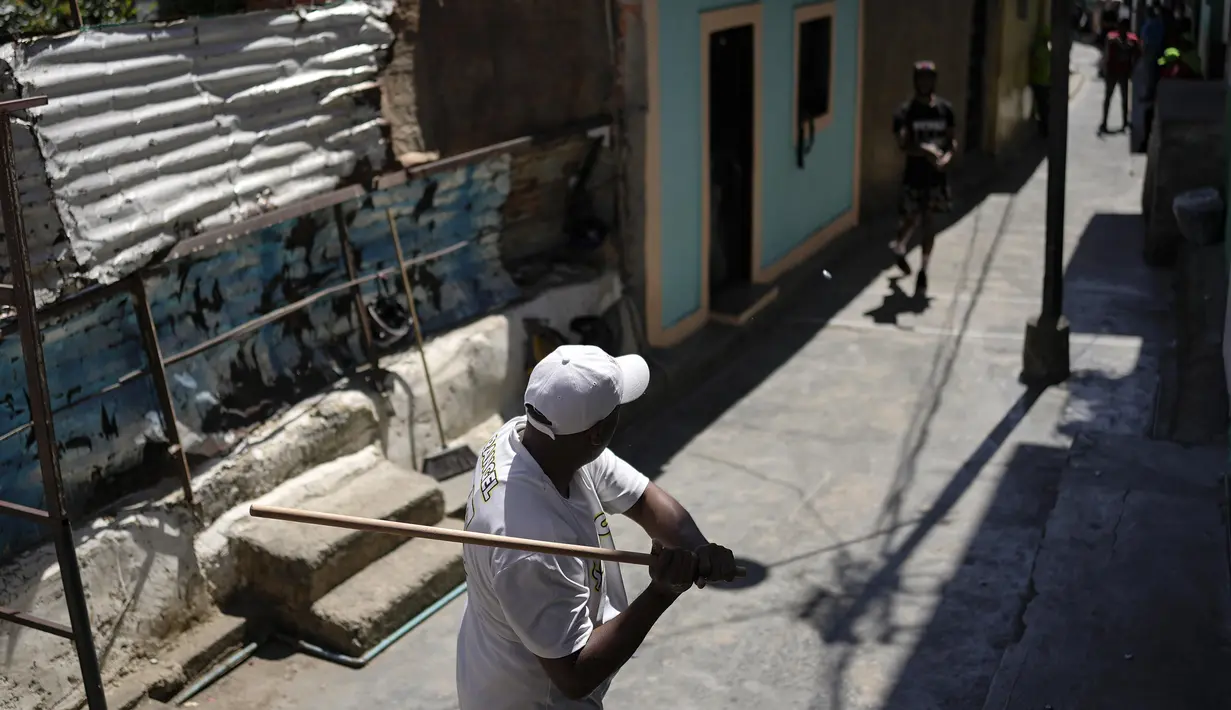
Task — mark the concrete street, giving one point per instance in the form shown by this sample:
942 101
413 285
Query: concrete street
874 459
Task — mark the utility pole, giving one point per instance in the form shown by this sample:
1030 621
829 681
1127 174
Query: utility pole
1045 357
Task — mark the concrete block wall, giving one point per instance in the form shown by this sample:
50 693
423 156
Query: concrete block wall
84 352
1201 407
1187 151
112 445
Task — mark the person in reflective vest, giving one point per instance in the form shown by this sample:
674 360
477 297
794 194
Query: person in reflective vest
1175 65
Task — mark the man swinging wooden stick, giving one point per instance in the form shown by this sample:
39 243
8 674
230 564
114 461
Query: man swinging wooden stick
549 631
547 622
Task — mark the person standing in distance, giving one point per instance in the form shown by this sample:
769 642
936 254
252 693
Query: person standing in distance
1123 51
926 130
547 631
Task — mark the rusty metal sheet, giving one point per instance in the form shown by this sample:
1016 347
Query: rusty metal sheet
156 133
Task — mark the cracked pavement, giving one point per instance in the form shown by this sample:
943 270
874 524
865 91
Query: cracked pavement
1131 604
872 457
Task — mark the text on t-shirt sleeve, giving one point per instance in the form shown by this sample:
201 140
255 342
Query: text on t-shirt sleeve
617 483
545 600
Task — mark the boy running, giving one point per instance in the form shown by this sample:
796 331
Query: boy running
926 131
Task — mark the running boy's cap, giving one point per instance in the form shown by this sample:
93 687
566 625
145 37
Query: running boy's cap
925 67
578 386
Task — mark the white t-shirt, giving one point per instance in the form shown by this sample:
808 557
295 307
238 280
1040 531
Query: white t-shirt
524 604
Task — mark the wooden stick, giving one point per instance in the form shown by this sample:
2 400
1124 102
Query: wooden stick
445 535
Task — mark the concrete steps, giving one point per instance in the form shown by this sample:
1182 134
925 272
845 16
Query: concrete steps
290 566
369 606
343 589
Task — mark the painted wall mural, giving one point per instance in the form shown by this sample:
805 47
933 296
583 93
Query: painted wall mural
114 443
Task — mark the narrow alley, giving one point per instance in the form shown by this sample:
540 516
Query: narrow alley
918 524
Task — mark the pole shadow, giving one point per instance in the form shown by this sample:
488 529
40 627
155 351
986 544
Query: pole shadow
1109 293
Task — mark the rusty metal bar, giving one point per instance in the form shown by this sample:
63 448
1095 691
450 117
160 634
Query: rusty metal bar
280 313
91 295
401 177
74 9
123 380
82 299
158 372
41 419
271 317
22 104
221 235
25 512
14 432
30 621
369 349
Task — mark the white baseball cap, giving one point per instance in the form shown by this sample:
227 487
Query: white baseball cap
578 386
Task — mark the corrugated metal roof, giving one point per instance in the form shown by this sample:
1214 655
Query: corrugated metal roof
155 132
50 257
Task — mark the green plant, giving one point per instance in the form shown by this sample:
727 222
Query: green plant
31 18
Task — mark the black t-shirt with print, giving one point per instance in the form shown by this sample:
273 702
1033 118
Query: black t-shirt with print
924 122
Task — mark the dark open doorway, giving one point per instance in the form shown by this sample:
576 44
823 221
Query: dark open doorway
732 125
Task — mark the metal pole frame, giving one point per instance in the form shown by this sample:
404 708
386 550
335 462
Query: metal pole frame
74 10
158 372
1057 163
1045 352
19 294
352 276
403 268
56 515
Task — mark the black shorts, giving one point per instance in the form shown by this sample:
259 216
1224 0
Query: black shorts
925 199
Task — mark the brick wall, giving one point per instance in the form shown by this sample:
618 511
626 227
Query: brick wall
507 207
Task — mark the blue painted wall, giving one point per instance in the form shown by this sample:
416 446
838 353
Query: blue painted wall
795 202
195 299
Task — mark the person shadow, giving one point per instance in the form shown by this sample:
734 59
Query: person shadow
897 302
